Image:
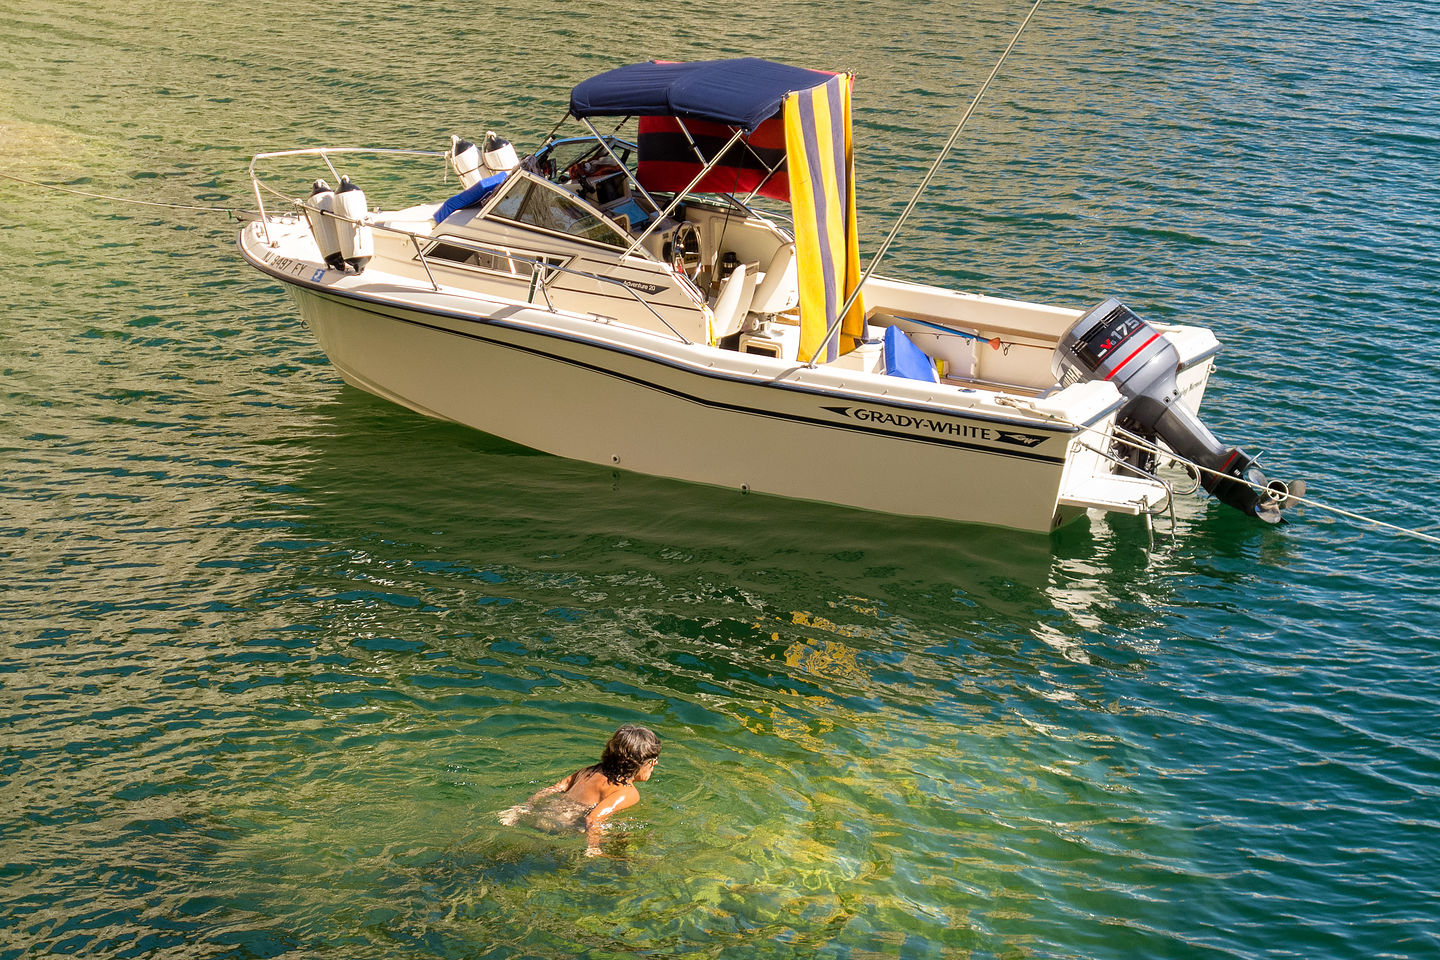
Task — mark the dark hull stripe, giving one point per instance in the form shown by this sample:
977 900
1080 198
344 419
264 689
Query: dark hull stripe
357 301
865 428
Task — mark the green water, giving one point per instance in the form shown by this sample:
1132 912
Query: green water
275 651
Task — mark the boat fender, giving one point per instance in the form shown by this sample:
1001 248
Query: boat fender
323 227
465 161
357 245
498 155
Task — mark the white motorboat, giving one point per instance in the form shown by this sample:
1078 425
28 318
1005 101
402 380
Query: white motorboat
628 302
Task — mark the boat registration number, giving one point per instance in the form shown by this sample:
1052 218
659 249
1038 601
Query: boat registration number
293 267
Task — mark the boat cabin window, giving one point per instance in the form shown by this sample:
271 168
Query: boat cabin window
539 204
493 260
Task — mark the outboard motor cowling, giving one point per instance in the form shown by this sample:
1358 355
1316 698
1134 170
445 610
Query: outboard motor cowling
1112 343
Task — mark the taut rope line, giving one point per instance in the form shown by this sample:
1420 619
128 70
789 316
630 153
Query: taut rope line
925 181
1145 445
229 211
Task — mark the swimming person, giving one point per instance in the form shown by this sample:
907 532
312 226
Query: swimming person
591 794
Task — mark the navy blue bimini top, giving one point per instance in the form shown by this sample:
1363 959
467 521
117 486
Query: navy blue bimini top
741 93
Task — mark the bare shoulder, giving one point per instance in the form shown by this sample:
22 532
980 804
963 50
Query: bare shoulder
617 799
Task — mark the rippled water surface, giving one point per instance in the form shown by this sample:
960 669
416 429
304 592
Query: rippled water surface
274 651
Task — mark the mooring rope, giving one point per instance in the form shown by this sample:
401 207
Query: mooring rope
229 211
1198 469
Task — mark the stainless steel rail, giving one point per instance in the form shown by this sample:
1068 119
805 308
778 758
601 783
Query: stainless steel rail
542 272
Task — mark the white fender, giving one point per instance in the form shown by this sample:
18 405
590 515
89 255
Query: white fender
357 245
499 155
323 228
465 160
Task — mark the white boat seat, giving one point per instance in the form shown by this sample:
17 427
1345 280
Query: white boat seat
778 289
733 303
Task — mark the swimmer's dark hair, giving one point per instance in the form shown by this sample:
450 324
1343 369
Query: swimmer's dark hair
629 749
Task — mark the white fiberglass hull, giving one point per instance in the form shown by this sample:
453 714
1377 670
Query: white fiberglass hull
679 414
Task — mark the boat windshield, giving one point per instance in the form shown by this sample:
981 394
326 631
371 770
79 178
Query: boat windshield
557 159
539 204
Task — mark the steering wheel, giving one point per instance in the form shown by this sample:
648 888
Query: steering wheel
683 250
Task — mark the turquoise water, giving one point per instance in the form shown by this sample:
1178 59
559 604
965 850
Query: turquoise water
275 651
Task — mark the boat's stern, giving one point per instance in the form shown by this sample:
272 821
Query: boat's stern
1111 344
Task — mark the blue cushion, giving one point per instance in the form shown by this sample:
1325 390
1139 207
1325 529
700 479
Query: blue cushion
904 359
470 196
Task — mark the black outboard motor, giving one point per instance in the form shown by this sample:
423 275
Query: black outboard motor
1111 343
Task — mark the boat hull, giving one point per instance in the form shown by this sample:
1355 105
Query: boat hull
668 413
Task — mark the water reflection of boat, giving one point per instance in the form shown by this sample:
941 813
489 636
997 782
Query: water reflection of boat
625 303
528 537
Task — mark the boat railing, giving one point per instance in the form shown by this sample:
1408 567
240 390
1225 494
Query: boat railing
324 153
542 272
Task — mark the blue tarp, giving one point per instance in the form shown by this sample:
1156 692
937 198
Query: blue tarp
744 92
470 196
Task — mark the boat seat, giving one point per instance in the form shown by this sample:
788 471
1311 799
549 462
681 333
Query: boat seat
733 301
778 289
